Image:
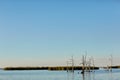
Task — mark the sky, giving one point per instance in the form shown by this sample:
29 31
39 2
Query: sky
49 32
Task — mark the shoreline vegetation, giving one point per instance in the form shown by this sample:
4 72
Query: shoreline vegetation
57 68
49 68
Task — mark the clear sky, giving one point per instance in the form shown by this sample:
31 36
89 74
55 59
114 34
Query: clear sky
48 32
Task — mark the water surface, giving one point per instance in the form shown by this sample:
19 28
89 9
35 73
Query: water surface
59 75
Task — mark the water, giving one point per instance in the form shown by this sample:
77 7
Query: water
59 75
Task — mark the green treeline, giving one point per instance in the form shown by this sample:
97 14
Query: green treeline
49 68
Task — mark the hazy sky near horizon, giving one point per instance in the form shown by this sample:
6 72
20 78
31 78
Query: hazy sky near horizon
48 32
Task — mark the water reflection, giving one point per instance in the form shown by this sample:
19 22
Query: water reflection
97 75
79 76
70 75
110 76
83 76
60 75
88 76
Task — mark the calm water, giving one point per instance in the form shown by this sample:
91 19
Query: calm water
59 75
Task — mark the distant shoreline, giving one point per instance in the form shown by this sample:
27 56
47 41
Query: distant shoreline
48 68
55 68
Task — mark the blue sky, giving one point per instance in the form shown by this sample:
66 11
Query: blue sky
40 33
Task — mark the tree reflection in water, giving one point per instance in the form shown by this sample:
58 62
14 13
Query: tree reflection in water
85 76
70 75
110 76
97 75
88 76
